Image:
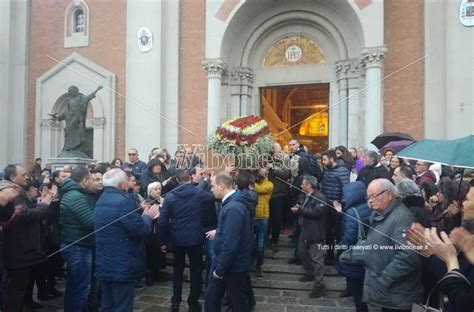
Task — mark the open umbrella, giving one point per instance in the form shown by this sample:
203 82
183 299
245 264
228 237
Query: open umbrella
457 153
397 145
387 137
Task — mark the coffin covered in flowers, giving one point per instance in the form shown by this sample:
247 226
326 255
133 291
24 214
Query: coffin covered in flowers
247 139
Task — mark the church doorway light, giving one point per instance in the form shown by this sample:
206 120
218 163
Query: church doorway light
298 111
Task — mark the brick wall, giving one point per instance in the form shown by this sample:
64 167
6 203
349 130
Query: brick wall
193 78
403 92
107 48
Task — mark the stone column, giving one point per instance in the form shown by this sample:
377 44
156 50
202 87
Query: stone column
342 68
215 68
372 61
242 81
347 71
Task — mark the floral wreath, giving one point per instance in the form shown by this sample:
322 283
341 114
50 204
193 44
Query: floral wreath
246 137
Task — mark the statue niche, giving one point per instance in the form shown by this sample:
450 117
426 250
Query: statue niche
73 108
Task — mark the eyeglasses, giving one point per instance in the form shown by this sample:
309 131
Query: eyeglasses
374 196
131 154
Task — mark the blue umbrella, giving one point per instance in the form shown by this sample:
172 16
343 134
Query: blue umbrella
457 153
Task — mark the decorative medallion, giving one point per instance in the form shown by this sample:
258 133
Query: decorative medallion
293 50
145 39
293 53
466 12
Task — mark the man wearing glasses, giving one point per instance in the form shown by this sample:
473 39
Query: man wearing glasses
134 165
423 173
392 270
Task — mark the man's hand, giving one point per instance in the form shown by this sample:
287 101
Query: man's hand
211 234
452 210
337 205
47 197
214 274
152 211
19 210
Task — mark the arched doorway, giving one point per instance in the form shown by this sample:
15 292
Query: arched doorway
254 28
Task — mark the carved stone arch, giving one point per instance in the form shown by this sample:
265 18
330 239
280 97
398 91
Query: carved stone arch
51 92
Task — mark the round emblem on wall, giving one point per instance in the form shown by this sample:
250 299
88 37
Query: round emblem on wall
293 53
145 39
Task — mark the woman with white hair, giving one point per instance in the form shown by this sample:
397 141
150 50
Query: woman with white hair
155 259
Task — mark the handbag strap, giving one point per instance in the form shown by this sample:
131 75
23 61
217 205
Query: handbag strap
360 227
448 275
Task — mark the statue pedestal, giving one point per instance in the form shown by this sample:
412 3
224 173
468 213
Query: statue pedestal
59 162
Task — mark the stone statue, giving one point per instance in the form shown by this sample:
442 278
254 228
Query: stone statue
75 118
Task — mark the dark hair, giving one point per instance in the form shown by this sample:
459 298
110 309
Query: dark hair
100 168
330 154
112 163
242 180
406 171
194 169
388 149
79 173
183 176
55 174
38 159
346 155
430 189
9 172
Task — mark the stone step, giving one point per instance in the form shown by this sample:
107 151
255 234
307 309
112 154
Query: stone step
277 266
279 281
290 281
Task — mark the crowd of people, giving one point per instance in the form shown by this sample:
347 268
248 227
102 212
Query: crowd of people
107 228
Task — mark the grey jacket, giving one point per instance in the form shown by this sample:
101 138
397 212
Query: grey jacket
392 277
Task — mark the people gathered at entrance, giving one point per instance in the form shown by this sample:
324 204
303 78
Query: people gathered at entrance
400 232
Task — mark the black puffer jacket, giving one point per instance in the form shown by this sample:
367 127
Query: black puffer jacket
312 217
23 246
334 180
372 172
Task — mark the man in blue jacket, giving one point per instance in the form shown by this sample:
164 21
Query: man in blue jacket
120 233
232 254
180 224
335 176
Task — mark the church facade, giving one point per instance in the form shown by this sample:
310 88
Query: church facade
329 72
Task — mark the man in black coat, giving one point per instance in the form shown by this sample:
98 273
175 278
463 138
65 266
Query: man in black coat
22 238
180 224
313 214
231 263
373 169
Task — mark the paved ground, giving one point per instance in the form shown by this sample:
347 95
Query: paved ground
278 291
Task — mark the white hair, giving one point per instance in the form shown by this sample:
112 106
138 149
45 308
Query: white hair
388 186
153 186
114 177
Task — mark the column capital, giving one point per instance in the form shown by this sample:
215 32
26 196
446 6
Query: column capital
346 69
372 57
215 67
242 76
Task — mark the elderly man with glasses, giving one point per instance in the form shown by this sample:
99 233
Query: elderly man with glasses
134 164
393 270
